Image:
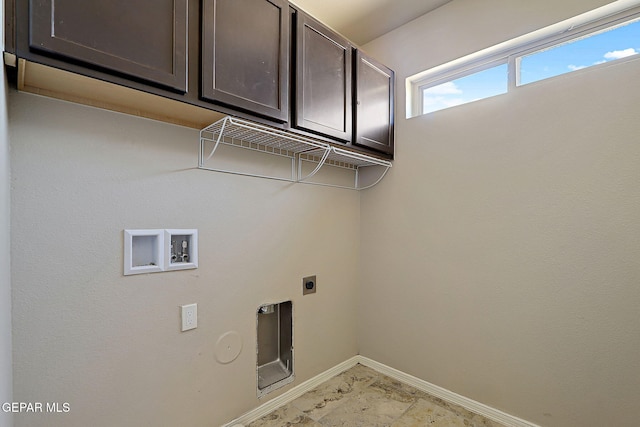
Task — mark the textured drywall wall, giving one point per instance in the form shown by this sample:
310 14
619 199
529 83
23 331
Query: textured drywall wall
462 27
501 254
111 345
5 264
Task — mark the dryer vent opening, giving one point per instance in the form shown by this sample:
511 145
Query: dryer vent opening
275 346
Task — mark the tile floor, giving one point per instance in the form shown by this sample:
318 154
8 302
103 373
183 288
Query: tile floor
362 397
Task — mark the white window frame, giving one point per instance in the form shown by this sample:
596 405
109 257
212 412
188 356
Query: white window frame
458 73
511 52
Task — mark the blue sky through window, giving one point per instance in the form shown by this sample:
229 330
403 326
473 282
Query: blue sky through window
484 84
607 46
615 43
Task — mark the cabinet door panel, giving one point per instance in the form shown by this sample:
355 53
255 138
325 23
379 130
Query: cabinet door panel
374 96
246 55
146 39
323 90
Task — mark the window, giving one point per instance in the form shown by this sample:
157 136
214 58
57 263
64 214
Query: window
609 33
479 85
593 49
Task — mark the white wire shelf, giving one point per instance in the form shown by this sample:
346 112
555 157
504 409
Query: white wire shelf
307 156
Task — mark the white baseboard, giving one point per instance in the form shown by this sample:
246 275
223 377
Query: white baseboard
447 395
432 389
292 394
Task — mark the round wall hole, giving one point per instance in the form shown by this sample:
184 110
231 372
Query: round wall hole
228 347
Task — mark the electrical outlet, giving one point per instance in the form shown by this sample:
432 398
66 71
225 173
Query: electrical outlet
309 285
189 316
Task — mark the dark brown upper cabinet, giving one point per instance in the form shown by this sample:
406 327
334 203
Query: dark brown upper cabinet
323 86
374 95
245 55
144 39
262 60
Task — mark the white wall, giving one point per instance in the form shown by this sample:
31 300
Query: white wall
110 345
6 378
501 254
5 262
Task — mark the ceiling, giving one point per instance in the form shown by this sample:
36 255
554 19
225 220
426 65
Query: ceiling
364 20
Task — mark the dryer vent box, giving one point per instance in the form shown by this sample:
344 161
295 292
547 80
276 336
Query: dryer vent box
275 346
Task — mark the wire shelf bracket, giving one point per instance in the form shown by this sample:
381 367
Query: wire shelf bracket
300 150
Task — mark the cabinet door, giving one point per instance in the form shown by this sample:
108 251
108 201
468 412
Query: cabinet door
245 55
323 87
374 97
145 39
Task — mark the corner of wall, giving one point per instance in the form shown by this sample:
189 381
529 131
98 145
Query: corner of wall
6 365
